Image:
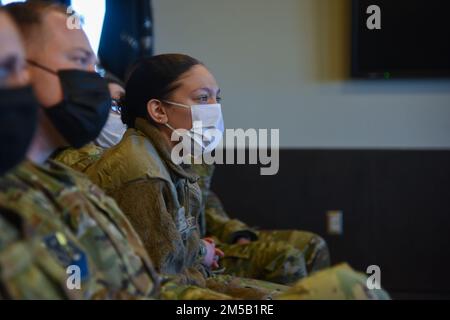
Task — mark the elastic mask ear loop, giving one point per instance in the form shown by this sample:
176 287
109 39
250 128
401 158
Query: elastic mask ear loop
40 66
177 104
169 126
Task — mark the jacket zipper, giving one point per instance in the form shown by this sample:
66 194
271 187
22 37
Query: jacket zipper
186 197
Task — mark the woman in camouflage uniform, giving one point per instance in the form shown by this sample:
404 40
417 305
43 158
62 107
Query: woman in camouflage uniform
161 198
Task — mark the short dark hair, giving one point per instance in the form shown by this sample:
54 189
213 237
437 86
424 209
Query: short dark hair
29 15
152 78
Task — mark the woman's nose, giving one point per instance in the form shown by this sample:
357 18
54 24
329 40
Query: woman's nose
212 100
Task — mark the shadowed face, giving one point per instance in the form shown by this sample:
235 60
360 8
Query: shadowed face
117 92
13 72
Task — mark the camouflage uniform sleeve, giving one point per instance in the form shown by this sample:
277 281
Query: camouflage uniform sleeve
219 225
27 270
79 159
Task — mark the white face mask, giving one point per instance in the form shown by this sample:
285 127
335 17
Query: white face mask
207 126
112 132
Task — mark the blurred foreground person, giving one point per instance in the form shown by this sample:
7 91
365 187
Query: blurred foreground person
18 106
71 219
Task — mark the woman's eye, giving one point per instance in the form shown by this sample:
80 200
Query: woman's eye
203 98
219 99
80 61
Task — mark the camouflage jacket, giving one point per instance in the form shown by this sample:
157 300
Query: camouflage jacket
161 199
77 224
215 220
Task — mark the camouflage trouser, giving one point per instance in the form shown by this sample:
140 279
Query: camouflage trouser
337 283
224 287
314 247
173 291
244 288
277 256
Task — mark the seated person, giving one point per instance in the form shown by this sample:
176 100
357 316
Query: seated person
278 256
111 134
114 129
161 198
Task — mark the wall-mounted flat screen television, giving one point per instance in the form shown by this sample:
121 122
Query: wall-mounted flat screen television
401 38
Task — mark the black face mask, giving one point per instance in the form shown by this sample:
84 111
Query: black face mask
18 122
82 114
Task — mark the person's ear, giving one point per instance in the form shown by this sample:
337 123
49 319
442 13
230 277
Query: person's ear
156 111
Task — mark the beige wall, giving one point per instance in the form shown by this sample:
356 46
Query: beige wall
284 64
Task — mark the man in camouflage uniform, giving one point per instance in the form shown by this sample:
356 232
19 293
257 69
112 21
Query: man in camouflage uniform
267 255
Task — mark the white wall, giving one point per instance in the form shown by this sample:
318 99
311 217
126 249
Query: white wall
284 64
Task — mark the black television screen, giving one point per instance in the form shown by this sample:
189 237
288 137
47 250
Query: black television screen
401 38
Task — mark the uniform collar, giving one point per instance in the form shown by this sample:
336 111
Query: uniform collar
54 176
164 151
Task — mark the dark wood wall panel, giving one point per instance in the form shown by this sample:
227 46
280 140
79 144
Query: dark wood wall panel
396 208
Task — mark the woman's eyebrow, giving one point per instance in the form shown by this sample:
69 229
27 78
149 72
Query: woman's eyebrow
209 90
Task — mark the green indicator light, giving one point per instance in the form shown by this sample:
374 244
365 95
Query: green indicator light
387 75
